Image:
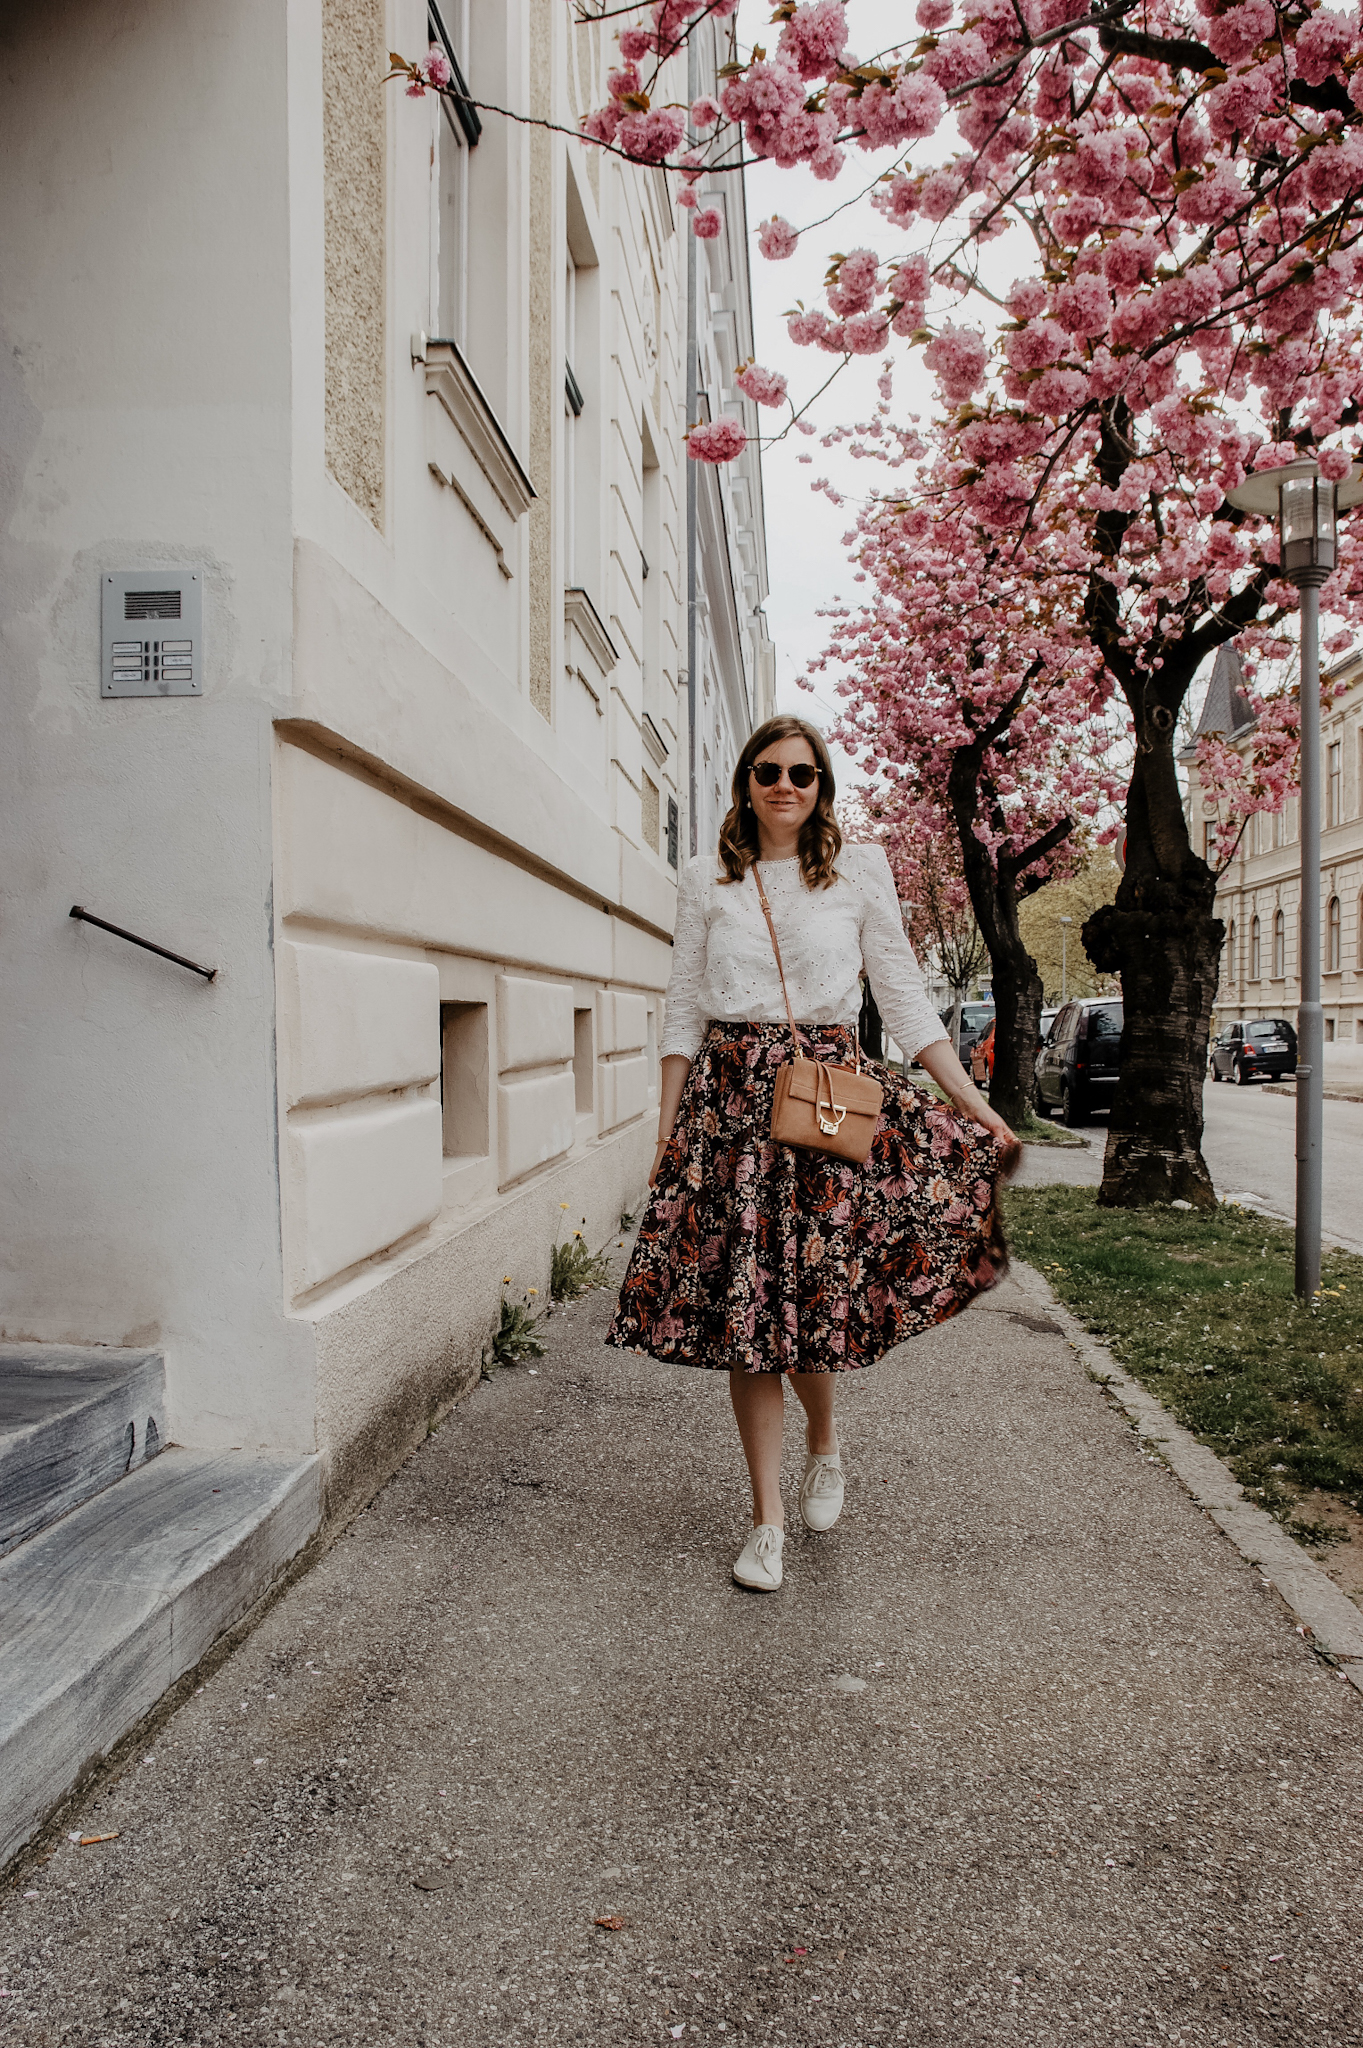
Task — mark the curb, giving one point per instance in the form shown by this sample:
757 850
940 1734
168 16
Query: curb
1328 1094
1327 1617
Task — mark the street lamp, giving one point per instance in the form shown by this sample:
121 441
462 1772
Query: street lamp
1065 924
1307 505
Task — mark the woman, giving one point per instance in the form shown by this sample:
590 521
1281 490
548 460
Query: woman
759 1258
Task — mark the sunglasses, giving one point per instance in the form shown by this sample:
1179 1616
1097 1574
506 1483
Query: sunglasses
768 773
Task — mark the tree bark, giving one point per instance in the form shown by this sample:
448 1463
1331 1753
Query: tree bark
1164 940
996 890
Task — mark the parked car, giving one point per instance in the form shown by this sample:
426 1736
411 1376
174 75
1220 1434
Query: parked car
982 1059
1077 1067
1262 1050
976 1019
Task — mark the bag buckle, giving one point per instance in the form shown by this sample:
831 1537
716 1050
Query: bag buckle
835 1110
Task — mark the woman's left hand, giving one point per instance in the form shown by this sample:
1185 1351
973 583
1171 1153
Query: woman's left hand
1007 1140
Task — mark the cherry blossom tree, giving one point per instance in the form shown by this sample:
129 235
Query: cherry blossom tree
925 859
980 709
1183 182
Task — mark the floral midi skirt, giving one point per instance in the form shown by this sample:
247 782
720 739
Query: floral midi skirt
772 1259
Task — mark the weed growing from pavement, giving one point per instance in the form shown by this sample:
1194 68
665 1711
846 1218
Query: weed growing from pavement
515 1337
1198 1306
574 1270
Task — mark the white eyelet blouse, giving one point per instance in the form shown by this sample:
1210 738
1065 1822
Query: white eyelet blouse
723 967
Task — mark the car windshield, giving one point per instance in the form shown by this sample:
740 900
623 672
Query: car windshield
1106 1022
975 1014
1274 1028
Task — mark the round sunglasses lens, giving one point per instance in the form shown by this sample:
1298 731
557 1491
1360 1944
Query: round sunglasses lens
802 774
768 774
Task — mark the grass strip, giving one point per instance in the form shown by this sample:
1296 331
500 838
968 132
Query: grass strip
1198 1306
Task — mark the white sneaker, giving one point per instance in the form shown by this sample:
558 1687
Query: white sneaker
821 1490
758 1563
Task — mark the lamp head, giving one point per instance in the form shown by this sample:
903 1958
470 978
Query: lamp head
1307 507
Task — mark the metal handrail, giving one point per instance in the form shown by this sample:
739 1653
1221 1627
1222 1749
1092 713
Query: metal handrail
88 917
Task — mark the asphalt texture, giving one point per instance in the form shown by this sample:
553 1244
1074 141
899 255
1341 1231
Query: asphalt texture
1023 1752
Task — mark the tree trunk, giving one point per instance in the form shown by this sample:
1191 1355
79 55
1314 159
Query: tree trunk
1162 937
870 1026
996 889
1017 1027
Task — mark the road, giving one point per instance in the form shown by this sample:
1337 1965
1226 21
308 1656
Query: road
1249 1144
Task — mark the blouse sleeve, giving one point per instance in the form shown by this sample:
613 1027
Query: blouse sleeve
896 978
684 1022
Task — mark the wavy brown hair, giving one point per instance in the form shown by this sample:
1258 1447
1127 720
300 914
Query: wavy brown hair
820 839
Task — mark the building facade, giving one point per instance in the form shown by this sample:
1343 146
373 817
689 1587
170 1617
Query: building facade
347 598
1259 895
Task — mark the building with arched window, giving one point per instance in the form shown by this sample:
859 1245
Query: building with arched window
1259 890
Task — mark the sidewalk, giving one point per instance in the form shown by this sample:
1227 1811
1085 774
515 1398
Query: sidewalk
1023 1753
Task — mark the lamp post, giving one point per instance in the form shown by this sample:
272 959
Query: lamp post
1306 504
1065 924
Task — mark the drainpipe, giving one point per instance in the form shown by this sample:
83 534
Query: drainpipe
692 416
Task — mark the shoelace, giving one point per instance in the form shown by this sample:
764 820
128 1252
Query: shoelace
767 1543
825 1476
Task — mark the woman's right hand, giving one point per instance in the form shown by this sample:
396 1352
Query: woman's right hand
663 1144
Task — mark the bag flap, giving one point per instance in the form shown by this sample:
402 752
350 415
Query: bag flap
855 1092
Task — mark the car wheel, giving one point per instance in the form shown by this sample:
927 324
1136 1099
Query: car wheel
1241 1077
1215 1071
1072 1112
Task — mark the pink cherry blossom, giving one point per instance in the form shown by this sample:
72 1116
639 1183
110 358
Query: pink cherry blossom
957 357
704 113
708 223
776 238
721 440
766 387
650 138
858 275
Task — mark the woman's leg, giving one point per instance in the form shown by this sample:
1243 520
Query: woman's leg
815 1393
759 1410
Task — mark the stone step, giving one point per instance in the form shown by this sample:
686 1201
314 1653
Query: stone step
73 1419
103 1610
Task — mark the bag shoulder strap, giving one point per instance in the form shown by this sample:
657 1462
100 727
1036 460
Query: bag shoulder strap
800 1052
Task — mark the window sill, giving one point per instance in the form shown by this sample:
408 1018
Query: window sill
468 451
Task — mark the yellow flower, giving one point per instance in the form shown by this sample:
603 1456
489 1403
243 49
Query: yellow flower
532 1290
506 1279
563 1205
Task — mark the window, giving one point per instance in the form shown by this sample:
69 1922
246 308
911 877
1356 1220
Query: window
1334 783
1332 936
464 1079
1254 961
1280 828
584 1063
1105 1023
455 127
673 847
1279 945
1329 1030
1230 952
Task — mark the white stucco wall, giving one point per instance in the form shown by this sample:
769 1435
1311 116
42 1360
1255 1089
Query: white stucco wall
144 252
415 818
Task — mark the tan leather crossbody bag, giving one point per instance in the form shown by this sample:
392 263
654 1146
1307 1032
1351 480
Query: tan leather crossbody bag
817 1107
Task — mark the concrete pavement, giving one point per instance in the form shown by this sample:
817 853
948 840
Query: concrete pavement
1023 1752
